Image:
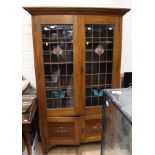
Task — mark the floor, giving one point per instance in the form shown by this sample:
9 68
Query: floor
85 149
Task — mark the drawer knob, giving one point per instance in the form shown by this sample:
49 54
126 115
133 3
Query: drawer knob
61 127
61 130
97 126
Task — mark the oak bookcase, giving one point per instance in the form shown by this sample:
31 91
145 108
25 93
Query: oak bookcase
77 53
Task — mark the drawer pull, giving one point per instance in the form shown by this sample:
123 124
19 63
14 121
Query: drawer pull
97 126
61 131
61 127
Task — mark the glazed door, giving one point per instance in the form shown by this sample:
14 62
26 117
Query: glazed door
100 63
59 52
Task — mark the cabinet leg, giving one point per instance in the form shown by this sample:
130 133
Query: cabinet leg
44 149
28 143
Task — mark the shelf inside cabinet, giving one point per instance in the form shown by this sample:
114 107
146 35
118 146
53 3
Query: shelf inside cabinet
46 63
58 42
98 74
94 101
98 86
67 39
59 98
106 37
60 103
59 88
98 61
47 52
99 42
65 58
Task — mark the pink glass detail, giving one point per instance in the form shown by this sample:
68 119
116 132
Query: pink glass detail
99 50
57 51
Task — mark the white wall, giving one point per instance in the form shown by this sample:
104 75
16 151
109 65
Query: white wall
80 3
126 60
27 50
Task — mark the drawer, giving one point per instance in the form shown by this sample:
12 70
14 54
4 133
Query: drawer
92 128
63 130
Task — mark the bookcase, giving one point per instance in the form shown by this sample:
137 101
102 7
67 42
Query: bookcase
77 53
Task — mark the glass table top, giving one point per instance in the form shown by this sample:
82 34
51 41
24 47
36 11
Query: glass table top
122 98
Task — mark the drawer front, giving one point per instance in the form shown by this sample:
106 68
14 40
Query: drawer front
62 130
59 130
93 128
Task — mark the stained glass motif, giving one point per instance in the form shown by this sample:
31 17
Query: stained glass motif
99 61
57 46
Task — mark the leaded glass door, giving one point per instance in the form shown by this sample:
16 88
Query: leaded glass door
99 59
59 53
99 50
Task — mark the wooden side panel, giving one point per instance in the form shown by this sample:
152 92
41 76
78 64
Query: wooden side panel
40 82
117 54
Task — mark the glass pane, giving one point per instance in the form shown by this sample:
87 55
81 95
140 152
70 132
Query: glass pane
47 69
95 79
110 31
109 55
109 67
99 61
118 129
69 56
57 46
88 30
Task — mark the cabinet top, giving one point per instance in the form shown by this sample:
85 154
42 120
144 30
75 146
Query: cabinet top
75 11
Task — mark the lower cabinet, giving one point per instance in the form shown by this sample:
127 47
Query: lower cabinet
64 130
74 130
